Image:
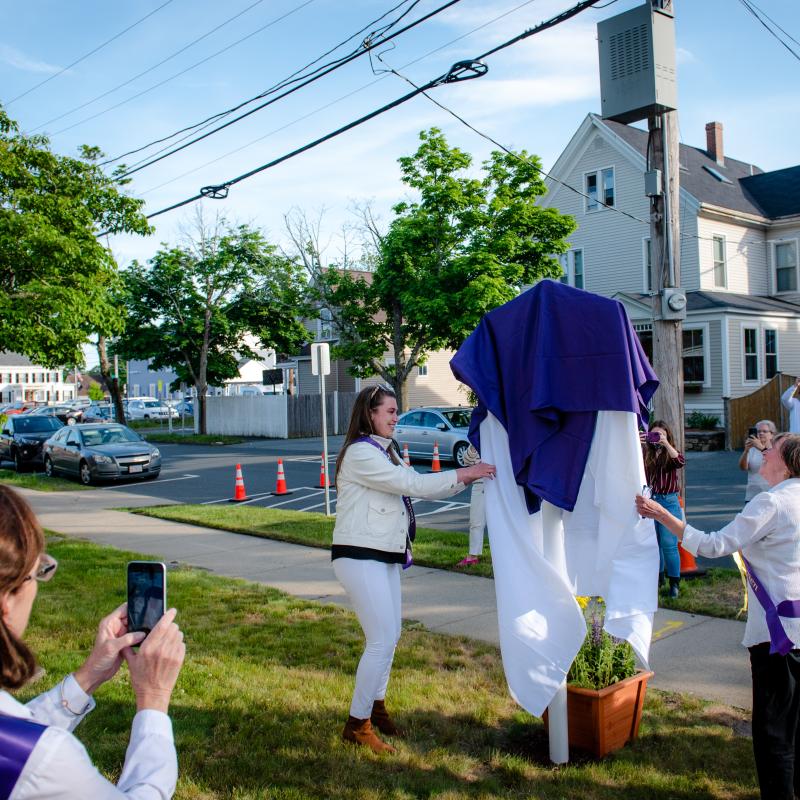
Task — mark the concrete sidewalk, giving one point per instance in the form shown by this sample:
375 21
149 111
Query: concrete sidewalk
690 653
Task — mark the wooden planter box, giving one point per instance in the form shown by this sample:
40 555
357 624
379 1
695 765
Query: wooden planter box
603 720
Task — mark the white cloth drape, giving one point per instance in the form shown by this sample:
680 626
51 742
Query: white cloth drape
608 551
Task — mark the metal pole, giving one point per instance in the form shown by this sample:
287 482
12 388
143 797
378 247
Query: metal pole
324 439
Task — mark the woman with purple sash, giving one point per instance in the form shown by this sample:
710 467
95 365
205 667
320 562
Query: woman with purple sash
39 756
372 540
767 532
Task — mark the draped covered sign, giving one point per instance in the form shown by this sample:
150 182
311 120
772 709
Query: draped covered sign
562 384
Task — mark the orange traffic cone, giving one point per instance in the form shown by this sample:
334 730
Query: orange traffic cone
239 492
280 487
689 568
406 458
435 465
322 475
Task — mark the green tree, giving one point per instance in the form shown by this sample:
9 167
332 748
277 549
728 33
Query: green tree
464 246
55 275
96 393
191 306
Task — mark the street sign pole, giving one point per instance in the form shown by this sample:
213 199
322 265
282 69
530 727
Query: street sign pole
321 365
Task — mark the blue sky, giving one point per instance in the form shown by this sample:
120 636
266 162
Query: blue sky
534 96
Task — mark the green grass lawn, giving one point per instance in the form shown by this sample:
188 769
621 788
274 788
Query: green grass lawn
192 438
719 594
28 480
432 548
265 689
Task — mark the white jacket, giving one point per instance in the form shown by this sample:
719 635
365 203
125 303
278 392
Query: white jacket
369 506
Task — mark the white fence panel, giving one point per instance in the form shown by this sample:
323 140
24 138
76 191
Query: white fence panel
255 415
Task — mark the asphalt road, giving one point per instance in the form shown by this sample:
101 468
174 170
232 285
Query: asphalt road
205 474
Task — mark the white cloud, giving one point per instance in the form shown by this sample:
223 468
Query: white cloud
15 58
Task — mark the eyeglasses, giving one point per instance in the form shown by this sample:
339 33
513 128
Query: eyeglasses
45 569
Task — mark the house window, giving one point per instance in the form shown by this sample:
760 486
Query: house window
750 354
152 390
422 370
720 276
325 324
599 189
786 267
770 353
649 277
572 268
694 362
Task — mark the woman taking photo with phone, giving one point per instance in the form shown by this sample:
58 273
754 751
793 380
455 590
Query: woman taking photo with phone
661 464
39 756
758 441
372 540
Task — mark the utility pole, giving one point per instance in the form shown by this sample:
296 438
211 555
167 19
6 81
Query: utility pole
665 252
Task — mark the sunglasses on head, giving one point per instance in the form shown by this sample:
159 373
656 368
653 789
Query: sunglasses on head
45 569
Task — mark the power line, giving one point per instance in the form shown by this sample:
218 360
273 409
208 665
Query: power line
277 86
338 99
360 52
153 67
90 53
751 8
460 71
184 71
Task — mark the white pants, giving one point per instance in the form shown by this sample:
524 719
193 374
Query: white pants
477 518
374 589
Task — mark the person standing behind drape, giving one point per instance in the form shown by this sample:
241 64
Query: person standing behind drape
767 532
371 542
661 464
477 514
790 400
752 457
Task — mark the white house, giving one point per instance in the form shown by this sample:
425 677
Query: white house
22 380
740 229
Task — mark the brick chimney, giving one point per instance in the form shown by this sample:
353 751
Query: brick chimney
714 142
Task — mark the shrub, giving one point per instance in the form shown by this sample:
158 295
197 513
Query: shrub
704 422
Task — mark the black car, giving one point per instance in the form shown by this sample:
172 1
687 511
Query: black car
67 414
101 451
22 437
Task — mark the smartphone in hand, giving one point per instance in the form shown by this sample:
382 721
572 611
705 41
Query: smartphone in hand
147 594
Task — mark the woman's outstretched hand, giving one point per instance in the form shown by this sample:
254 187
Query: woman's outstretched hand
467 475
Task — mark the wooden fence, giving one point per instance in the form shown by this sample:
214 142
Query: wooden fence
742 413
304 413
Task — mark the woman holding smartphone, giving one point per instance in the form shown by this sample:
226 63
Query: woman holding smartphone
40 756
372 540
759 440
661 464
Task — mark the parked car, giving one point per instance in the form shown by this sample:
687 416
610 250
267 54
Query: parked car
67 414
99 412
448 427
19 407
149 408
101 451
184 407
22 437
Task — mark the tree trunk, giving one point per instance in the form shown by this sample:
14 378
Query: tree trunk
111 380
200 410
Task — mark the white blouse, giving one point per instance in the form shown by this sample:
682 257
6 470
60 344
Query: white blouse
768 533
755 483
59 768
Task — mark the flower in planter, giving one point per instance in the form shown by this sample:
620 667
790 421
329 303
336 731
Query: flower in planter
603 659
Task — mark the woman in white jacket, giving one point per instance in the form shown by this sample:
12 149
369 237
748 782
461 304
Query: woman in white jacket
372 539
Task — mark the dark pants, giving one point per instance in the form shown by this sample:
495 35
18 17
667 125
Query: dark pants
776 714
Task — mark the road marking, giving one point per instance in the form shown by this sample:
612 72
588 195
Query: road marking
445 507
185 477
671 625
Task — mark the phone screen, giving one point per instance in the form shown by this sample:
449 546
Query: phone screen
147 594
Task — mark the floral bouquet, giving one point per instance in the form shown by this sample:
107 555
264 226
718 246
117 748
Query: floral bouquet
602 659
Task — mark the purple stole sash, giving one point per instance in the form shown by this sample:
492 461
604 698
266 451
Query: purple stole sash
779 641
412 519
18 737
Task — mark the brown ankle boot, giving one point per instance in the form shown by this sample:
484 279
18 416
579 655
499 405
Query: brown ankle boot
359 731
383 722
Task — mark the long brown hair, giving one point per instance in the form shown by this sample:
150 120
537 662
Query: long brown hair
21 544
368 400
655 457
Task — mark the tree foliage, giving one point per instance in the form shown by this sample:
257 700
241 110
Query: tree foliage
190 307
55 275
463 246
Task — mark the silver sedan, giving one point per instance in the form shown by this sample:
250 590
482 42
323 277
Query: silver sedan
445 426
